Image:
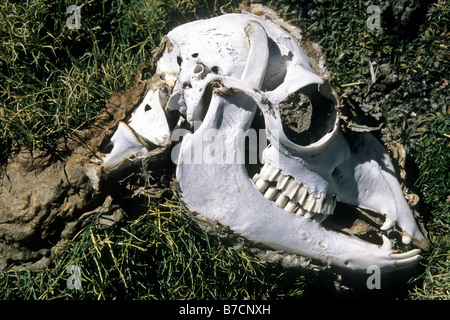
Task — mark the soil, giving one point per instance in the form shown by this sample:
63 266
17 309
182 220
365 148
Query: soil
296 113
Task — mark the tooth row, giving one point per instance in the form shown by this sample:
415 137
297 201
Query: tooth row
291 196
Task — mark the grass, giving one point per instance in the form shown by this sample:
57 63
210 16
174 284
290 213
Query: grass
160 254
434 181
54 80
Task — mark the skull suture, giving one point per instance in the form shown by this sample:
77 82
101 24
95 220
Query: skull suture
218 79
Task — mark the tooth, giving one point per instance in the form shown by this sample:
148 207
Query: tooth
387 244
290 207
300 211
291 188
320 217
328 206
408 261
388 223
301 194
269 172
281 201
282 182
262 185
255 177
406 239
170 80
309 202
275 173
318 205
271 193
309 215
405 255
265 171
401 262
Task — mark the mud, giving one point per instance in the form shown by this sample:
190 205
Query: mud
42 195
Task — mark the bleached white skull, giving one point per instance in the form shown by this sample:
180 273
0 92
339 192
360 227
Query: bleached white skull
218 82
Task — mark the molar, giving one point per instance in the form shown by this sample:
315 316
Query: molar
261 184
271 193
328 206
269 172
309 215
290 207
309 202
290 189
291 196
318 203
301 194
300 211
283 182
282 201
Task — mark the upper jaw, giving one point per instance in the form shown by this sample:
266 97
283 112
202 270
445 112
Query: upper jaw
375 187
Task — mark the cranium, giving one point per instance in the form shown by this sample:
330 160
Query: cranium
219 80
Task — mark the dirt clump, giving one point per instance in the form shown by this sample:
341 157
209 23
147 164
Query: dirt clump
42 195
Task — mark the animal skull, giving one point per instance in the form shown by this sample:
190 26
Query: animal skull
219 79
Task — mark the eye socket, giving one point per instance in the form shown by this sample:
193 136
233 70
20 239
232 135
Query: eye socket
307 116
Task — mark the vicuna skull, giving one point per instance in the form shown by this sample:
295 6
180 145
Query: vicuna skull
227 85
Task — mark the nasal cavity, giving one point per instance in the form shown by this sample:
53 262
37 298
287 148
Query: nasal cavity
198 69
